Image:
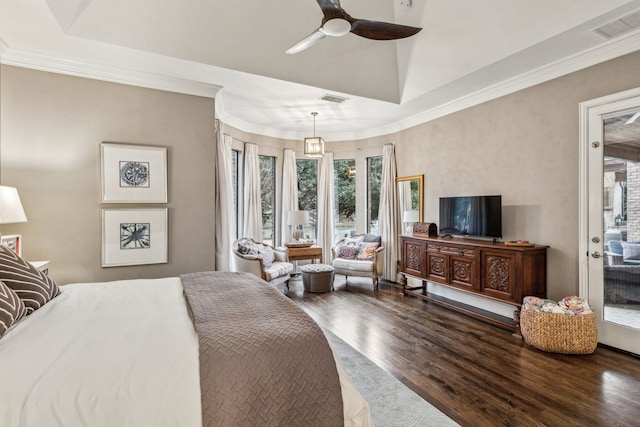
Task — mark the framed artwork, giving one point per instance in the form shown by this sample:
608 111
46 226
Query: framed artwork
133 173
13 242
134 236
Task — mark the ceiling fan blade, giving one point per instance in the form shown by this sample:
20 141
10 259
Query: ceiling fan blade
375 30
307 42
329 5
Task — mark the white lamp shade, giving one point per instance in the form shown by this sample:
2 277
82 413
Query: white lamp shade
11 210
410 216
314 147
297 218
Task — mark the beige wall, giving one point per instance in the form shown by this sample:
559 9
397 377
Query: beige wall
523 146
52 126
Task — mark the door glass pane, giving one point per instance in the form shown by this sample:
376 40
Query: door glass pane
345 198
621 214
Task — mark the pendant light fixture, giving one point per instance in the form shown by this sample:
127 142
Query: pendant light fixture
314 146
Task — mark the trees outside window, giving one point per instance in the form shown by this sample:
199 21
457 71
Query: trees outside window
374 179
345 198
235 160
307 170
268 197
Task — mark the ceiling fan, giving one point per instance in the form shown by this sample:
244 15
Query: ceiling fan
337 22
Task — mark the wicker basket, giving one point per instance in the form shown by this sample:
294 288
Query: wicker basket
559 333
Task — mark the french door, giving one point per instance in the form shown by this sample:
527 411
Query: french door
610 216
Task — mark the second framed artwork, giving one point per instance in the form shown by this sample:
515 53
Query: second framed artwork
13 242
133 173
134 236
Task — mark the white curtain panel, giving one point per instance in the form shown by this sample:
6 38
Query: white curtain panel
252 204
325 207
289 194
388 214
225 215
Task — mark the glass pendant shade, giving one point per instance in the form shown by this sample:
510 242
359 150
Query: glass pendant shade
314 147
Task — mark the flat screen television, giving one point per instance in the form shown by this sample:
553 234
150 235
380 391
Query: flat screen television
471 216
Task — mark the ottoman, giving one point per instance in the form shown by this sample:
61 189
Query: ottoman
317 277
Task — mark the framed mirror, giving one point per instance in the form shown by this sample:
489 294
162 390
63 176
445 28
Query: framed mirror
410 191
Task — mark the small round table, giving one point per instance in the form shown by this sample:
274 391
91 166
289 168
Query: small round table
317 277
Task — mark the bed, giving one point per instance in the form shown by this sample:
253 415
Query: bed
126 353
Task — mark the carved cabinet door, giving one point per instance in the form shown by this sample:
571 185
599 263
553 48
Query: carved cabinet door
437 267
463 272
414 258
498 275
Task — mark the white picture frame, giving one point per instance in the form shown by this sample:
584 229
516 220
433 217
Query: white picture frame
13 242
134 236
133 173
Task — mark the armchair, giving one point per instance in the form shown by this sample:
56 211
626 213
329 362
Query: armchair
262 260
359 255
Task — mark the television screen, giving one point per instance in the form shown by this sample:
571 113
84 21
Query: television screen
471 216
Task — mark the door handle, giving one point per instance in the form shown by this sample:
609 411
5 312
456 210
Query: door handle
596 254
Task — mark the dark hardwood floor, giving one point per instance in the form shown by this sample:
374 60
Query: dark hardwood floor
477 374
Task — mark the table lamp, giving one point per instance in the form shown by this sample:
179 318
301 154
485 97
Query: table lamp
297 219
410 218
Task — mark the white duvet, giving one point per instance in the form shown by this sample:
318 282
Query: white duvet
118 353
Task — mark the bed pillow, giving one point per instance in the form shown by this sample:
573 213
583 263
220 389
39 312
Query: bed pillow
630 251
12 309
366 251
34 288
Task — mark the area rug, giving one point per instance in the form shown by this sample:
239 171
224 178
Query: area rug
391 402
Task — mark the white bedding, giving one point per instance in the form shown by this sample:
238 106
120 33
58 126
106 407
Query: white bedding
118 353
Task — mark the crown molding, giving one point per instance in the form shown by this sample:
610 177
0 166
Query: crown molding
3 48
612 49
112 74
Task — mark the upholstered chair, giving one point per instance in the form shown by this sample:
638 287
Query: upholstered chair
359 255
262 260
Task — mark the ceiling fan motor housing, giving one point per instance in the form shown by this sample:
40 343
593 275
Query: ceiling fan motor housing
336 27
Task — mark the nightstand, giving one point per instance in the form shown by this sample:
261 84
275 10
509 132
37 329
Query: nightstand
41 266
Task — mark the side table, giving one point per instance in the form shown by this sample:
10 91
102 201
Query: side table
311 253
42 266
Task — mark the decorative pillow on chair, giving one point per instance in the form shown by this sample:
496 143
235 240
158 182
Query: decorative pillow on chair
271 256
266 260
348 252
12 308
630 251
350 241
370 238
247 247
366 251
33 287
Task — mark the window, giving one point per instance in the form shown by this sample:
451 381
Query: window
235 161
374 178
345 198
268 196
308 193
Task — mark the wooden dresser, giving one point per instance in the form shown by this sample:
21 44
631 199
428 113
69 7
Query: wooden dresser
490 270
